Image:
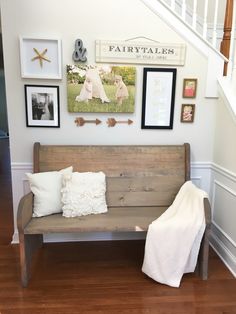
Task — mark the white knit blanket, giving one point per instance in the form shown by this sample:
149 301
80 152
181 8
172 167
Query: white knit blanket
173 240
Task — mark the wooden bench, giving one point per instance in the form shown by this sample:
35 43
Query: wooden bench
142 181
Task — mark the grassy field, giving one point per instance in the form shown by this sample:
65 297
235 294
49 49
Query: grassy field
95 105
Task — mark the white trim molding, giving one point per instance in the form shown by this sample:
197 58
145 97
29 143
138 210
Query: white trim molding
226 91
223 238
222 250
224 172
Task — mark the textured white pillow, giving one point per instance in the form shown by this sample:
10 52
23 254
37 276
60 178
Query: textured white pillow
83 193
46 187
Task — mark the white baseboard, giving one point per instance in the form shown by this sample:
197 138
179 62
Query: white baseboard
224 253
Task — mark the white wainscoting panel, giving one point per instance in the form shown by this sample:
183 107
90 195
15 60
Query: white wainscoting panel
19 188
201 175
223 239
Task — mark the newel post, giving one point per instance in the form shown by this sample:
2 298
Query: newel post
225 44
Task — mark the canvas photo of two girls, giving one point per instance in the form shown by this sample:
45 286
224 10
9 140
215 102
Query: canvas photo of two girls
101 88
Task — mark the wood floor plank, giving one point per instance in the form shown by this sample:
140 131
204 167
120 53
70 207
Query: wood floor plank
106 277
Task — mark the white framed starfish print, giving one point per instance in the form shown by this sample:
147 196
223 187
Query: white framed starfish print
40 58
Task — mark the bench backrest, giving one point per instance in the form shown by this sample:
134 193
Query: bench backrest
136 175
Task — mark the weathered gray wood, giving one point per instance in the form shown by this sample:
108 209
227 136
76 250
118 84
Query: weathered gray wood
116 219
149 175
187 161
28 243
142 190
25 211
116 160
204 249
142 182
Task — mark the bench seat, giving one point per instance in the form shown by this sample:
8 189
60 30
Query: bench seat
115 220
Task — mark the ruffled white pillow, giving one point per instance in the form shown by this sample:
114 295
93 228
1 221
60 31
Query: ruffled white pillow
83 193
46 187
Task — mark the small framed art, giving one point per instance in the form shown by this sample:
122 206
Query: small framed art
42 106
189 88
158 98
187 113
40 58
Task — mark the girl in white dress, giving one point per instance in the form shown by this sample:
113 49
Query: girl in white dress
122 91
86 92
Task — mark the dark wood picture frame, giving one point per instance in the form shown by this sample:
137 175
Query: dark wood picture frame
158 99
189 88
187 113
42 106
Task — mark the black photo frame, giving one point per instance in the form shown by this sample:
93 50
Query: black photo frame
42 106
158 98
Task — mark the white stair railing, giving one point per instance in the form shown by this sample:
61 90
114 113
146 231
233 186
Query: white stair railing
205 17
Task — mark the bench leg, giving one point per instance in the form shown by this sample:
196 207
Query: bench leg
28 244
203 258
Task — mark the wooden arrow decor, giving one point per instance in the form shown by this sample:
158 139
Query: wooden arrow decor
112 122
81 121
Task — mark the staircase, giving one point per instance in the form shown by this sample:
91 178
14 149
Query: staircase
204 27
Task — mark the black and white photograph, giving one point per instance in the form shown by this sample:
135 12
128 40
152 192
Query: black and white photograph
42 106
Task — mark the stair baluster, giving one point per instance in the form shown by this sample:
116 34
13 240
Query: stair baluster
225 44
205 20
173 5
183 10
194 25
215 24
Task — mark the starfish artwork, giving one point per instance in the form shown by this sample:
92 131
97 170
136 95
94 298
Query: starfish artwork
40 56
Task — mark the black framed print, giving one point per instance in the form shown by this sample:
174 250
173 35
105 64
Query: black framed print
158 98
42 106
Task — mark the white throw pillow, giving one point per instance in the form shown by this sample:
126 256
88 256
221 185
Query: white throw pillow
46 187
83 193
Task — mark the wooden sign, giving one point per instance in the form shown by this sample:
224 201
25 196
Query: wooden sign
81 121
140 53
112 122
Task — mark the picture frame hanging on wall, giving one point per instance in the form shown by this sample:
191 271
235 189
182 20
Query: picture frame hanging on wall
189 88
101 88
40 58
187 113
158 98
42 106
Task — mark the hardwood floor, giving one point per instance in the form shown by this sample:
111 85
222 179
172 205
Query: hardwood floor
105 277
101 277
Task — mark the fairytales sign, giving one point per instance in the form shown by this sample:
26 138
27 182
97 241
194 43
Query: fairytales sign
140 53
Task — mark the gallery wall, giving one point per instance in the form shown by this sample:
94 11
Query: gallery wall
91 20
69 20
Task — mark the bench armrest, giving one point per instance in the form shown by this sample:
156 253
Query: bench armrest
25 210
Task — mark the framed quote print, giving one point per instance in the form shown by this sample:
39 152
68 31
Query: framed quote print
158 98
